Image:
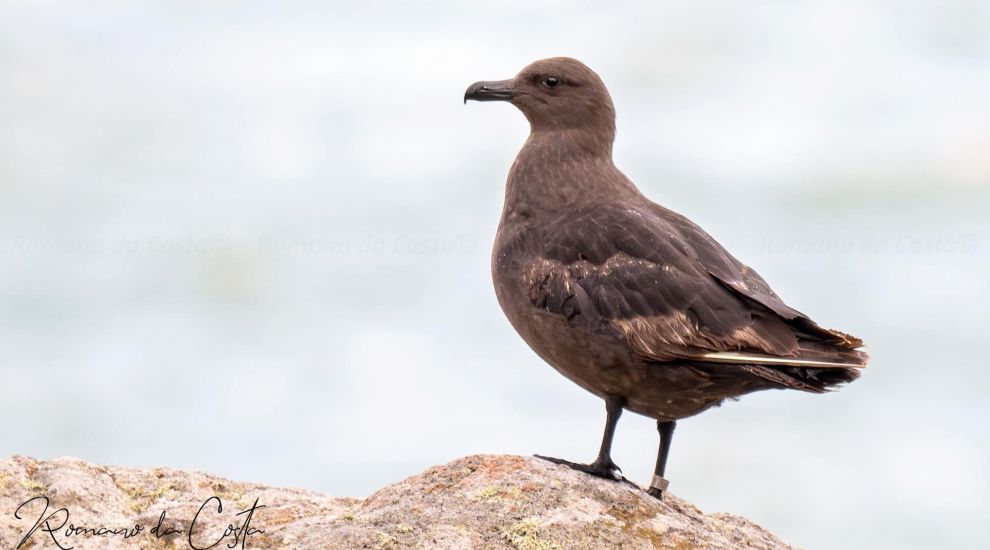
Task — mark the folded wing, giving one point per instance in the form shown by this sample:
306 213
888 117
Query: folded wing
674 293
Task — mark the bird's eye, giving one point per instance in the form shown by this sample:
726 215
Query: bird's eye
551 81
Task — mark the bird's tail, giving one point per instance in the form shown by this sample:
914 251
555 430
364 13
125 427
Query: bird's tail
818 366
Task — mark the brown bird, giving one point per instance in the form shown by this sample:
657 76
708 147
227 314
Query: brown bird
632 301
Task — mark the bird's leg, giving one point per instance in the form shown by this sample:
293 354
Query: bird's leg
603 465
659 483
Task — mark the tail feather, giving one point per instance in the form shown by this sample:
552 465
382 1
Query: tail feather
818 366
809 356
802 378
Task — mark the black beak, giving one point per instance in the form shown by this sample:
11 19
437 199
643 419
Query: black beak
495 90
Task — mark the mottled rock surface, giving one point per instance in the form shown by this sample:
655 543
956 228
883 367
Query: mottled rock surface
484 502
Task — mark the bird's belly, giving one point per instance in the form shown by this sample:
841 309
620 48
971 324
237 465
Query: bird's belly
603 363
589 360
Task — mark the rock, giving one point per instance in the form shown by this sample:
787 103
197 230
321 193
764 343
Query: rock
490 502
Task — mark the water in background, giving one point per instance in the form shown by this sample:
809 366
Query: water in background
254 241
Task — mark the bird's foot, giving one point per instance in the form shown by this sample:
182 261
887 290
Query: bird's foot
603 469
657 487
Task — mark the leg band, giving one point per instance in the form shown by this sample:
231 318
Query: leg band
659 483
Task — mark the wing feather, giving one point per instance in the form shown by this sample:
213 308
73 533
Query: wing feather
674 293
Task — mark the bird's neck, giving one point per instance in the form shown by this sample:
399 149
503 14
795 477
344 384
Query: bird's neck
563 169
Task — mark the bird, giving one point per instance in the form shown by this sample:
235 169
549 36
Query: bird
628 299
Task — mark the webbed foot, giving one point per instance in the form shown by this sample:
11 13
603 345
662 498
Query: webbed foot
603 469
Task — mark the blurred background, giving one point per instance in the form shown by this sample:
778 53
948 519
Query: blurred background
253 239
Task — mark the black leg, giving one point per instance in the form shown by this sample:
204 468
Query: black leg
659 484
603 465
613 410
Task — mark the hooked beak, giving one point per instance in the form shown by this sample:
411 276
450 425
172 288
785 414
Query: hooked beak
495 90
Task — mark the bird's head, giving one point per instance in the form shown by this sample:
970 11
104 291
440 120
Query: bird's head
558 93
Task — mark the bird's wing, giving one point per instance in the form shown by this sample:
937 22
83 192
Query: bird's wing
671 291
745 282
